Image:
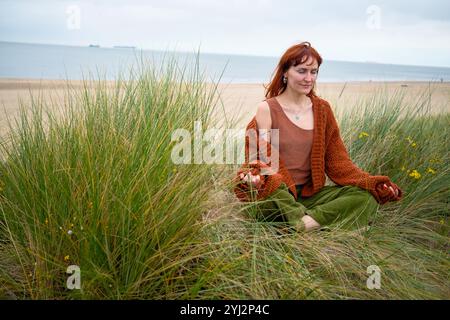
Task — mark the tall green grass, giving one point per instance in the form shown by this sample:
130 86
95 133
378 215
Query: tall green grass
143 227
408 240
95 186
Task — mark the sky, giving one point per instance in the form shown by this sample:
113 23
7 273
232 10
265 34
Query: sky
385 31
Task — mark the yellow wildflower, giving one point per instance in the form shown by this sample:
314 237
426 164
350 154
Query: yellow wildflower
442 221
411 142
46 221
435 160
67 258
430 170
363 134
415 174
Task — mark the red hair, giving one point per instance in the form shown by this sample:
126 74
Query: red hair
293 56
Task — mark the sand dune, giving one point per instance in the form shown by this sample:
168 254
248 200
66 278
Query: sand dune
238 99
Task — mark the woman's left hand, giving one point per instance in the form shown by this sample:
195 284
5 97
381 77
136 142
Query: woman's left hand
394 191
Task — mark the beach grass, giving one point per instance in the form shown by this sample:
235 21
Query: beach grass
96 187
407 243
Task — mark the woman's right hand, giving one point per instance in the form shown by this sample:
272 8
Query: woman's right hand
255 178
249 178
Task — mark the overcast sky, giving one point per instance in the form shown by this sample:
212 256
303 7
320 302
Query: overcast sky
391 31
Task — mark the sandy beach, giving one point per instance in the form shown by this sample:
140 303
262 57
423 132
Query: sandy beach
239 100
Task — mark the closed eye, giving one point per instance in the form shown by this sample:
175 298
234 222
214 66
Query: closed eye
314 71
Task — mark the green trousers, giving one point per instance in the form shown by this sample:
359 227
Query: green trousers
347 207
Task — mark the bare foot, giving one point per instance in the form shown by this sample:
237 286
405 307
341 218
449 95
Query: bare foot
310 223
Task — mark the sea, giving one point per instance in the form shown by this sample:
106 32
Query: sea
44 61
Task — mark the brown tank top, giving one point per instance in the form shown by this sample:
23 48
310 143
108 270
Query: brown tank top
295 143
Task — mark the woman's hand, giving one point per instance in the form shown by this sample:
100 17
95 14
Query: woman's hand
392 189
388 191
249 178
257 173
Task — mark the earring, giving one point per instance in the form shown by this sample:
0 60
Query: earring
284 79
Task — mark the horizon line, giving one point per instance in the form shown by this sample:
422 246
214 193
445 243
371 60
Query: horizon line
131 47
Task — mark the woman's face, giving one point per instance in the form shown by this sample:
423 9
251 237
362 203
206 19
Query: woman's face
302 77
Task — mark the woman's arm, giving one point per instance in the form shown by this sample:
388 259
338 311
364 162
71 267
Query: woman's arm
264 124
264 120
341 170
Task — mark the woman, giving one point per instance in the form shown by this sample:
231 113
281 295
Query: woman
309 147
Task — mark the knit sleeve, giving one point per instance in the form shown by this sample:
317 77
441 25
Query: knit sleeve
340 168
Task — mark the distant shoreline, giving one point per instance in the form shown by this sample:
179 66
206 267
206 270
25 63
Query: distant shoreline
87 45
59 62
59 82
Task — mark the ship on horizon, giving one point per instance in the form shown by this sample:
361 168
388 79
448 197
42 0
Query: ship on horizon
124 47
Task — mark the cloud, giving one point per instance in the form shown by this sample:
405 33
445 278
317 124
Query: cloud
339 29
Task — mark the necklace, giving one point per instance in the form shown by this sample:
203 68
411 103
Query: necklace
296 114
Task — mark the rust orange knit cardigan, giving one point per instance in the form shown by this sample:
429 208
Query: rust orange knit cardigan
328 156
